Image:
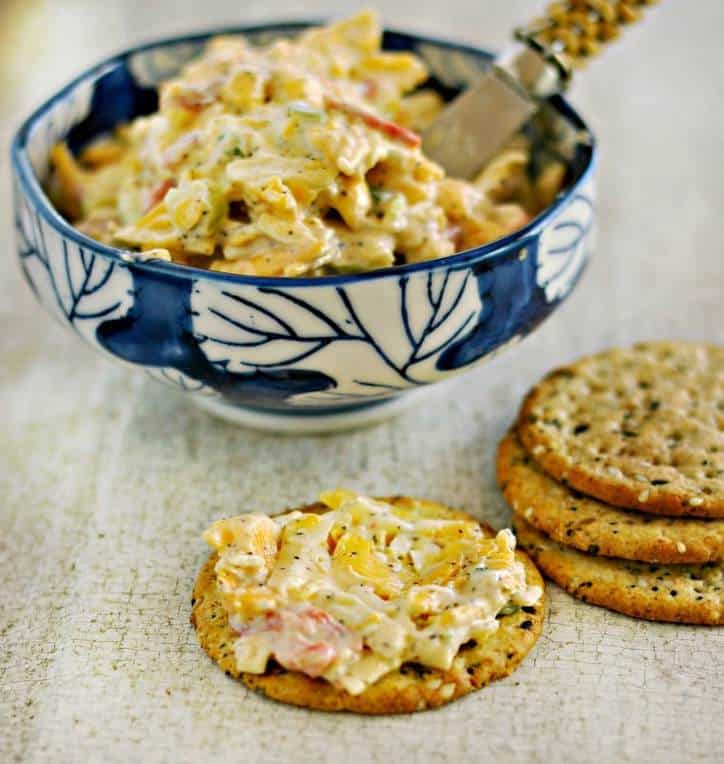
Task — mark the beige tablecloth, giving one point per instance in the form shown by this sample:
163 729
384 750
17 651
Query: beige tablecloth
107 479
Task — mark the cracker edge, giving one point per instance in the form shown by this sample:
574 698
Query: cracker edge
624 600
622 494
661 550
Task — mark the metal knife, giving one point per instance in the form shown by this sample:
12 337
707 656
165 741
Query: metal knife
480 121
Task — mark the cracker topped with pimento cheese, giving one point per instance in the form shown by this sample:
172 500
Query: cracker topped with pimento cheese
365 604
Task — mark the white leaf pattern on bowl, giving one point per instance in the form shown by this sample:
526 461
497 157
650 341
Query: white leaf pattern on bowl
78 287
399 324
564 245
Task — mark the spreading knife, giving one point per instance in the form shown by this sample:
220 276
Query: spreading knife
480 121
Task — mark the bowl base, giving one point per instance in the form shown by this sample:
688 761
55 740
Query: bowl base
307 423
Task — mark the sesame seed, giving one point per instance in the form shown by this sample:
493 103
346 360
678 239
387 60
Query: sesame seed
644 495
696 501
528 513
680 547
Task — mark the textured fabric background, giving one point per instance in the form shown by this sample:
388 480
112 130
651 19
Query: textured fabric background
107 479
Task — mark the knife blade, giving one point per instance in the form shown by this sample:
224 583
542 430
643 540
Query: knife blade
478 123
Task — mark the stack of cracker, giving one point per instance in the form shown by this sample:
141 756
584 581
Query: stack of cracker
615 474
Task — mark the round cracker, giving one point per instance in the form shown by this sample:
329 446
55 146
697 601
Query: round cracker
679 593
590 525
413 687
641 428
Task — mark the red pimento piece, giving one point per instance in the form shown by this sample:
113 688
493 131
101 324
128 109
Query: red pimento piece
307 639
323 618
160 191
455 234
391 129
370 89
196 98
312 660
273 621
195 107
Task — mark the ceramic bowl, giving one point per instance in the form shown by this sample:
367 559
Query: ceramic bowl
294 355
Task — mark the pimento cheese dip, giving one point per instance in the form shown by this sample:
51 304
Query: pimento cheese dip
354 592
298 158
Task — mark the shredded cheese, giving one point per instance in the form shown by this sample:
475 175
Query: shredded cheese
297 158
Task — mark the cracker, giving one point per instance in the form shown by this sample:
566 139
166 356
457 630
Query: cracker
590 525
679 593
412 687
641 428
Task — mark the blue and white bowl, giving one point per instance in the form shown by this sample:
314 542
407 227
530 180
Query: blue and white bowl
294 355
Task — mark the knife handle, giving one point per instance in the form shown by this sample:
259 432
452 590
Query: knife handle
574 31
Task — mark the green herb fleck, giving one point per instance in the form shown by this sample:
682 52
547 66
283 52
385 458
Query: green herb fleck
379 195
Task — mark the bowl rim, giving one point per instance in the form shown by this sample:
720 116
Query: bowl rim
32 188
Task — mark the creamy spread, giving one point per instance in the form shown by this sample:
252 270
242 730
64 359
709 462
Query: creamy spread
351 594
297 158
